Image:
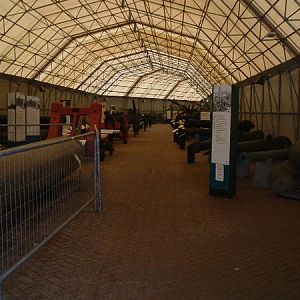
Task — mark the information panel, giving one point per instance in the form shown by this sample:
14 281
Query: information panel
16 117
224 141
32 118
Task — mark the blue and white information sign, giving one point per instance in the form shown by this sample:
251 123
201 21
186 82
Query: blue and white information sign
224 131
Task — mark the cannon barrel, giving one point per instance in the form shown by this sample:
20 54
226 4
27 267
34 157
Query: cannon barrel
285 177
275 155
27 175
206 145
189 123
182 135
203 129
244 125
275 143
250 136
194 130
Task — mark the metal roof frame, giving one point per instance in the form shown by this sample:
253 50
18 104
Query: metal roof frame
86 43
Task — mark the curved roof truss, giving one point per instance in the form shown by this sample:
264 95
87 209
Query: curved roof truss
115 47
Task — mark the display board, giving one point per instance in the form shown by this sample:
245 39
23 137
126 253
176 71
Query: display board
32 118
16 117
224 141
169 115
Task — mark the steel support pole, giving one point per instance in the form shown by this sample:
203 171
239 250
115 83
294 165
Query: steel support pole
97 174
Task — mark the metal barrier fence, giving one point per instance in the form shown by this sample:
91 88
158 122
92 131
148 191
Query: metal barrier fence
42 187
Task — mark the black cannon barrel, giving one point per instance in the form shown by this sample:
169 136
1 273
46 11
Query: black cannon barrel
206 145
243 125
250 136
275 155
184 134
204 133
189 123
195 148
269 143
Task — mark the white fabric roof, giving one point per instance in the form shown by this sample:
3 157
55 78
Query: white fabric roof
172 49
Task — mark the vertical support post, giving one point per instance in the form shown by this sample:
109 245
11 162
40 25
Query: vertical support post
241 104
298 116
271 105
293 105
255 100
263 107
224 141
279 104
251 107
1 289
97 173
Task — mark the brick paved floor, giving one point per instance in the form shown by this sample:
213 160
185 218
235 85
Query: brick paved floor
161 237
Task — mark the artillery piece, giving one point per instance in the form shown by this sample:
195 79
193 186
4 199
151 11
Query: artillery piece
283 176
199 146
201 129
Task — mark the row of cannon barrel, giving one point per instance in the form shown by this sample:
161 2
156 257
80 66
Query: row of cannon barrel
277 159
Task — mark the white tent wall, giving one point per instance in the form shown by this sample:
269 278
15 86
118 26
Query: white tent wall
159 106
119 103
47 96
274 106
53 93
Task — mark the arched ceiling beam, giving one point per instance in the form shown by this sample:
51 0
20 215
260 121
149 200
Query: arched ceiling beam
173 88
117 71
159 66
202 88
90 64
117 74
98 30
287 66
109 78
104 62
123 24
266 21
147 51
74 37
48 62
200 42
139 80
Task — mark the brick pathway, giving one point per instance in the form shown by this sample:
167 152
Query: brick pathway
162 237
